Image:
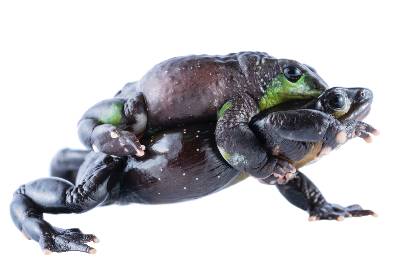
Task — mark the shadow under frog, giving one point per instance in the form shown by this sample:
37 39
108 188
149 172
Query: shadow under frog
186 163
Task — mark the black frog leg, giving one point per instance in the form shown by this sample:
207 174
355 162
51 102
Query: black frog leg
303 125
66 163
55 195
112 126
237 143
302 193
307 126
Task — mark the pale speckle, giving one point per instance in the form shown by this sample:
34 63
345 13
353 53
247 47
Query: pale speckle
95 148
197 149
161 169
185 187
114 134
198 131
158 193
219 176
183 174
196 178
197 136
159 178
126 150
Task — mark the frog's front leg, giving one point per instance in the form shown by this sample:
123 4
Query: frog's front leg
54 195
238 144
302 193
112 126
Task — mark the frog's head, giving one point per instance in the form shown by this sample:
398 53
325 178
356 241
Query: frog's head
345 103
290 80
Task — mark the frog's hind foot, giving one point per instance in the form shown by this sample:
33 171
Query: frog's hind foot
302 193
329 211
67 240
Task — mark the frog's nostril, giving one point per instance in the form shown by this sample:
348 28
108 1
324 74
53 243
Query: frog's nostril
365 94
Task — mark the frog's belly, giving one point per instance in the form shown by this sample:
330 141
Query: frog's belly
175 185
178 165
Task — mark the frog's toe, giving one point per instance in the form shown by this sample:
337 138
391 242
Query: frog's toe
67 240
329 211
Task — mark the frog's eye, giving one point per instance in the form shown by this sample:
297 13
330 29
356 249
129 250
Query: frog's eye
337 101
292 73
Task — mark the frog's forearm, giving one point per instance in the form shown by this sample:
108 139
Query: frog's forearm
298 125
111 126
236 141
109 112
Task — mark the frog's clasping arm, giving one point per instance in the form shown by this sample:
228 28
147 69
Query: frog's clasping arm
111 126
238 144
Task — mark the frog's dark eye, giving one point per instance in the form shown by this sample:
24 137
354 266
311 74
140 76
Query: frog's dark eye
292 73
337 101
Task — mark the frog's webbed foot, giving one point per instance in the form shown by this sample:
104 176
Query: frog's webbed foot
60 240
302 193
55 195
328 211
282 173
113 141
360 129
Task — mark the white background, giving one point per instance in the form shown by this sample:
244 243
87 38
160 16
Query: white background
57 58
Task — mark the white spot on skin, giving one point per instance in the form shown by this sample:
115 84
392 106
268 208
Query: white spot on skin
95 149
114 134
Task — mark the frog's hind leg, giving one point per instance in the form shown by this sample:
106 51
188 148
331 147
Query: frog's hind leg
302 193
66 163
55 195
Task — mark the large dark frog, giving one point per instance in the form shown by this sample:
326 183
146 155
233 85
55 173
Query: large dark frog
185 163
193 89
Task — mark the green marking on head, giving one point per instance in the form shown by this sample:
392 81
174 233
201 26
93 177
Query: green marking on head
223 109
112 115
281 90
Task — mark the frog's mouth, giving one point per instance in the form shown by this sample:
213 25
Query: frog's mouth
361 104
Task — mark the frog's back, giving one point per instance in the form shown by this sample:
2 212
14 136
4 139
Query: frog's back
192 88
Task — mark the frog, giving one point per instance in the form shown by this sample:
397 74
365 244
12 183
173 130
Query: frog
192 89
185 163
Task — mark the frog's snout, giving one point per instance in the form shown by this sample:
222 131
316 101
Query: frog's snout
364 95
361 99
